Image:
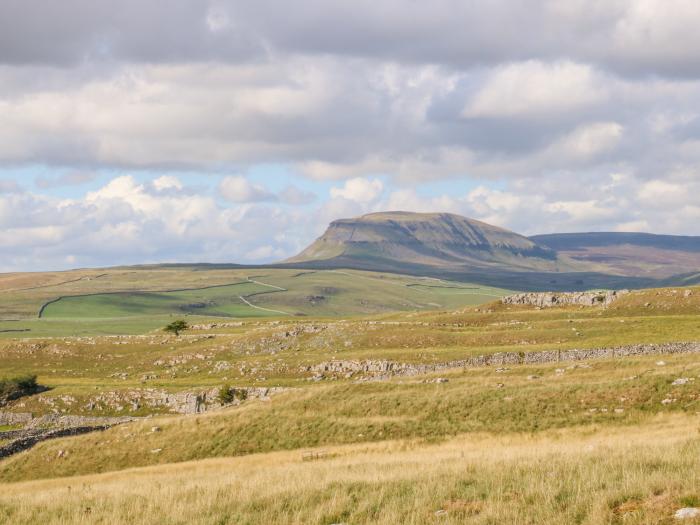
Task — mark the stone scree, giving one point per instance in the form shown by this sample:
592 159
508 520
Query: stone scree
550 299
382 369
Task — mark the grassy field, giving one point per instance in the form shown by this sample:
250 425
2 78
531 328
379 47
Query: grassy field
135 300
588 475
223 301
603 441
522 399
278 351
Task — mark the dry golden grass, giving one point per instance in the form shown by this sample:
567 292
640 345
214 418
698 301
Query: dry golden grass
585 475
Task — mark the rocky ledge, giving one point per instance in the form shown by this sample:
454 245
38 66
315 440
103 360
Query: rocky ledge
549 299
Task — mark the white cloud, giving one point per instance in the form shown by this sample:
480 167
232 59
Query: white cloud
666 194
127 222
536 88
657 33
239 189
167 182
217 19
359 190
589 140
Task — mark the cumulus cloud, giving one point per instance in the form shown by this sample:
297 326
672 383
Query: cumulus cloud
126 222
239 189
536 88
359 190
167 182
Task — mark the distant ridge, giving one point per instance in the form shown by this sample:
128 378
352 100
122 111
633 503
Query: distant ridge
629 253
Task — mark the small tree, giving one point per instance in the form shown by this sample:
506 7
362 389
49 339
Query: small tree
176 327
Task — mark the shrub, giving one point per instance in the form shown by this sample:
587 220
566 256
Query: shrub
226 394
17 387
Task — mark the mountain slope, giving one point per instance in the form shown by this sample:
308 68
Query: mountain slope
440 240
631 254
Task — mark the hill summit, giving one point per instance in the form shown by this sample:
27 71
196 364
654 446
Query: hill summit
399 239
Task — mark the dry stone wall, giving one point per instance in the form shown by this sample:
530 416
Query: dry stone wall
382 369
30 438
19 418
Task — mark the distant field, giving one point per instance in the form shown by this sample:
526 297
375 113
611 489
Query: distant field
135 300
225 301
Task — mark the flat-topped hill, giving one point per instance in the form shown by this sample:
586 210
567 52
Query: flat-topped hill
434 239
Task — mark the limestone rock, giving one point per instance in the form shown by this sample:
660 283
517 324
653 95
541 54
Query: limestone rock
550 299
687 513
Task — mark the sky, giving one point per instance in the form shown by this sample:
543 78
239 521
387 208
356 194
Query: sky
142 131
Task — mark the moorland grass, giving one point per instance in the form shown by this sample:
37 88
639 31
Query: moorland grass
605 441
589 475
523 399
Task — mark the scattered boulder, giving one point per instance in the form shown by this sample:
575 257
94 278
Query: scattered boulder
687 513
682 381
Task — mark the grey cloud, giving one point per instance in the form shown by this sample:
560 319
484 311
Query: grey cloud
296 197
631 37
9 186
73 31
73 178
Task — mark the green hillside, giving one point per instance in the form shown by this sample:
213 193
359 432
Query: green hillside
135 300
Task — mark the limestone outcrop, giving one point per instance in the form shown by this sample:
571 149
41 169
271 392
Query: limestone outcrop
550 299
